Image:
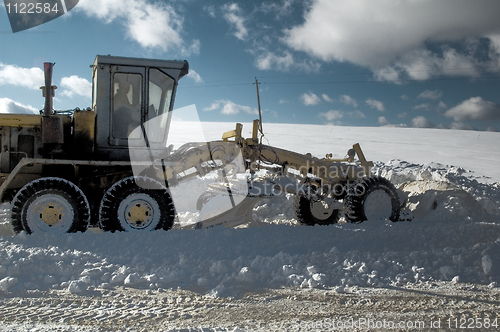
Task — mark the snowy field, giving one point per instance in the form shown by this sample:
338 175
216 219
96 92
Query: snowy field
274 274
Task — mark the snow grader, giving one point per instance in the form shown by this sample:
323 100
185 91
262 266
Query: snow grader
110 165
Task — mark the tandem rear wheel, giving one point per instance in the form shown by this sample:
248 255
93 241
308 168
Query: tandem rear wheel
50 205
136 204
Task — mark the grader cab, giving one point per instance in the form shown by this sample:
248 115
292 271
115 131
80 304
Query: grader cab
109 166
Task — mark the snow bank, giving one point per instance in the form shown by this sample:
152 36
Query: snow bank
455 236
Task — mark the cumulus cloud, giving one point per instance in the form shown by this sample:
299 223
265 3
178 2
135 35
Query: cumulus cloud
428 94
475 108
376 104
194 76
424 106
391 36
151 24
332 115
326 98
356 115
491 128
32 78
10 106
76 85
461 126
348 100
382 120
423 64
234 16
227 107
267 60
310 99
421 122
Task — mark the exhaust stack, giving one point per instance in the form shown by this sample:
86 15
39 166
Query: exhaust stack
52 125
49 89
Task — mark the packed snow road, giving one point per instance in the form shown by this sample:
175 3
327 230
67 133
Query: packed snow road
427 306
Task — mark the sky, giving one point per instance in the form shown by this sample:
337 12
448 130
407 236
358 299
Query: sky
413 63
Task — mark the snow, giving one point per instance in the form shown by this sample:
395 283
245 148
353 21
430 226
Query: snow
448 178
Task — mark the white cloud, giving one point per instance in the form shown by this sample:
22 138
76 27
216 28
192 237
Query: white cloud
461 126
214 106
475 108
10 106
348 100
375 104
267 60
76 85
442 105
194 76
356 115
280 9
391 36
421 122
234 16
310 99
428 94
210 10
332 115
227 107
423 64
424 106
32 78
491 128
326 98
382 120
151 24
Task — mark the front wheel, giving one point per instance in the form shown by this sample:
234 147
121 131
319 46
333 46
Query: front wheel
136 204
374 198
50 205
311 212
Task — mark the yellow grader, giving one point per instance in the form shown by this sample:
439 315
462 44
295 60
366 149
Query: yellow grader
109 166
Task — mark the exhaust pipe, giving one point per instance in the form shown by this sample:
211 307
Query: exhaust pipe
52 126
48 89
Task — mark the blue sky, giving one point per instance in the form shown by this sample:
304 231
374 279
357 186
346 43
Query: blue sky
415 63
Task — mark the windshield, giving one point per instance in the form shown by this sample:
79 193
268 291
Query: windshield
160 97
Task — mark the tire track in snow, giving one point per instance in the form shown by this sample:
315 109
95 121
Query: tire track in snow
275 310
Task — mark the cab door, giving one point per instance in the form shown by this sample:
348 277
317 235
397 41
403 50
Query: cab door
127 105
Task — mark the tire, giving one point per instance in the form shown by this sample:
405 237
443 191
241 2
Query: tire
50 205
314 213
374 198
136 204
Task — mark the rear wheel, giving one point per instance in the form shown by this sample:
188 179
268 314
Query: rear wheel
374 198
50 205
136 204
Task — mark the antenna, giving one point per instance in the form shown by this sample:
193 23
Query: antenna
260 112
